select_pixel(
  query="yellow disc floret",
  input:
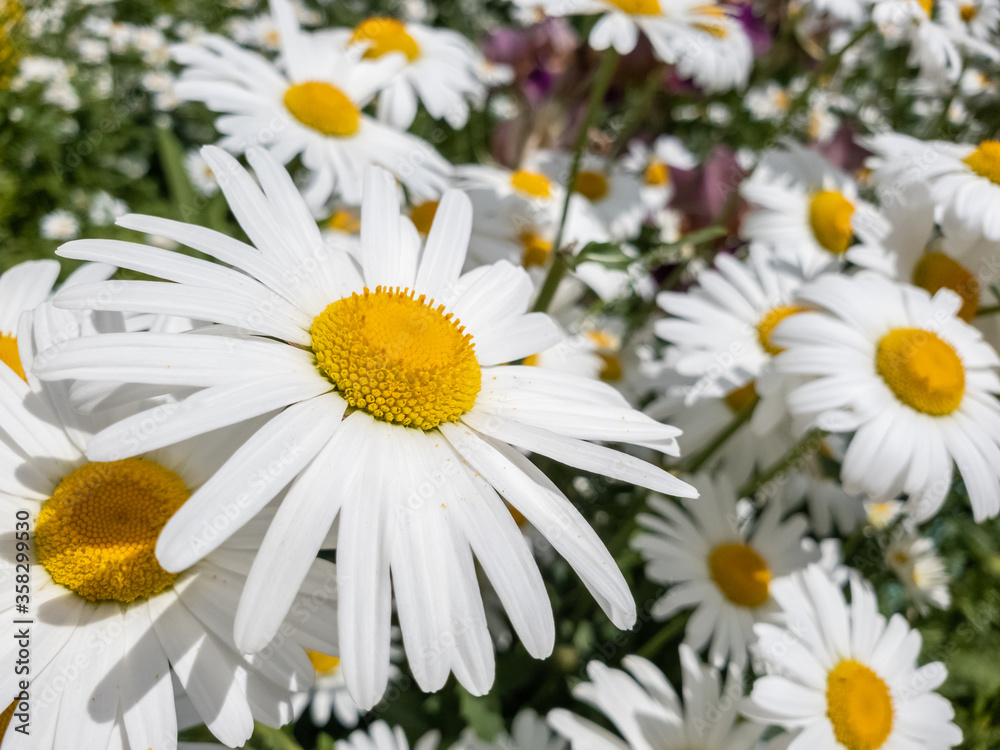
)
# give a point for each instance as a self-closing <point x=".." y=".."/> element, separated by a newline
<point x="385" y="35"/>
<point x="924" y="371"/>
<point x="323" y="107"/>
<point x="740" y="573"/>
<point x="400" y="358"/>
<point x="531" y="184"/>
<point x="770" y="321"/>
<point x="535" y="250"/>
<point x="423" y="215"/>
<point x="638" y="7"/>
<point x="657" y="173"/>
<point x="938" y="271"/>
<point x="97" y="534"/>
<point x="859" y="705"/>
<point x="985" y="161"/>
<point x="739" y="399"/>
<point x="968" y="11"/>
<point x="591" y="185"/>
<point x="830" y="215"/>
<point x="323" y="663"/>
<point x="10" y="356"/>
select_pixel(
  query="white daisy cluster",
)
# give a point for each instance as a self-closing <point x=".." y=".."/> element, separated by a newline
<point x="590" y="374"/>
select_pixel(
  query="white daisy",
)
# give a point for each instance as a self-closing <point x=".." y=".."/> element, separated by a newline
<point x="714" y="564"/>
<point x="977" y="18"/>
<point x="702" y="38"/>
<point x="721" y="332"/>
<point x="915" y="383"/>
<point x="102" y="608"/>
<point x="612" y="191"/>
<point x="199" y="173"/>
<point x="915" y="562"/>
<point x="935" y="48"/>
<point x="654" y="166"/>
<point x="528" y="731"/>
<point x="845" y="677"/>
<point x="441" y="69"/>
<point x="810" y="213"/>
<point x="309" y="104"/>
<point x="59" y="225"/>
<point x="830" y="508"/>
<point x="647" y="712"/>
<point x="380" y="736"/>
<point x="405" y="424"/>
<point x="22" y="288"/>
<point x="964" y="180"/>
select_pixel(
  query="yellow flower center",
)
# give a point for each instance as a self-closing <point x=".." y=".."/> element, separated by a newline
<point x="830" y="215"/>
<point x="385" y="35"/>
<point x="591" y="185"/>
<point x="97" y="534"/>
<point x="985" y="161"/>
<point x="637" y="7"/>
<point x="859" y="706"/>
<point x="657" y="173"/>
<point x="9" y="355"/>
<point x="402" y="359"/>
<point x="422" y="216"/>
<point x="323" y="663"/>
<point x="937" y="271"/>
<point x="5" y="717"/>
<point x="536" y="249"/>
<point x="739" y="399"/>
<point x="532" y="184"/>
<point x="769" y="322"/>
<point x="924" y="371"/>
<point x="740" y="573"/>
<point x="345" y="221"/>
<point x="968" y="11"/>
<point x="713" y="23"/>
<point x="927" y="5"/>
<point x="323" y="107"/>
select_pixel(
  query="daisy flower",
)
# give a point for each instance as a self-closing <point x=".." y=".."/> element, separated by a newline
<point x="648" y="713"/>
<point x="914" y="382"/>
<point x="915" y="562"/>
<point x="611" y="191"/>
<point x="528" y="731"/>
<point x="22" y="288"/>
<point x="441" y="69"/>
<point x="721" y="331"/>
<point x="844" y="676"/>
<point x="380" y="736"/>
<point x="107" y="611"/>
<point x="389" y="382"/>
<point x="979" y="19"/>
<point x="811" y="215"/>
<point x="703" y="39"/>
<point x="654" y="166"/>
<point x="935" y="47"/>
<point x="309" y="104"/>
<point x="963" y="179"/>
<point x="59" y="225"/>
<point x="714" y="564"/>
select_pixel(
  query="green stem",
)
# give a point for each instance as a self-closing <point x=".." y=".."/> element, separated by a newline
<point x="662" y="637"/>
<point x="602" y="79"/>
<point x="699" y="458"/>
<point x="636" y="114"/>
<point x="808" y="445"/>
<point x="987" y="310"/>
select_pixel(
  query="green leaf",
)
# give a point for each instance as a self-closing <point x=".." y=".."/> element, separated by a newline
<point x="269" y="738"/>
<point x="608" y="254"/>
<point x="324" y="742"/>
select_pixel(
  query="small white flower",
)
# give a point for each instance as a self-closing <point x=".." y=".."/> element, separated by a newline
<point x="59" y="225"/>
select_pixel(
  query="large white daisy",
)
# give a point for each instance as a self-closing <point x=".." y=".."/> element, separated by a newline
<point x="397" y="417"/>
<point x="811" y="215"/>
<point x="716" y="564"/>
<point x="309" y="103"/>
<point x="442" y="69"/>
<point x="963" y="179"/>
<point x="915" y="383"/>
<point x="843" y="676"/>
<point x="109" y="627"/>
<point x="648" y="713"/>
